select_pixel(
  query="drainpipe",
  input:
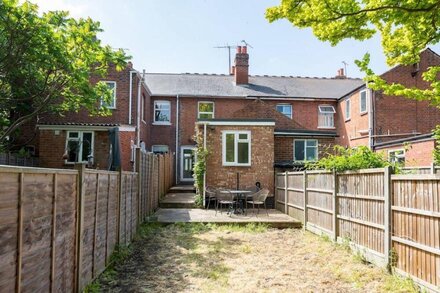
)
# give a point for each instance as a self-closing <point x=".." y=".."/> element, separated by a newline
<point x="370" y="119"/>
<point x="177" y="136"/>
<point x="204" y="173"/>
<point x="130" y="95"/>
<point x="138" y="112"/>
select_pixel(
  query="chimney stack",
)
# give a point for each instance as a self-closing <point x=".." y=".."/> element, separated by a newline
<point x="241" y="62"/>
<point x="340" y="74"/>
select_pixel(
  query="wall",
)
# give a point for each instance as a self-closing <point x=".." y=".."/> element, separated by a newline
<point x="401" y="115"/>
<point x="262" y="159"/>
<point x="417" y="153"/>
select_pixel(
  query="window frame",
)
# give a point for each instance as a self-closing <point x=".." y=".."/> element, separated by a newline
<point x="360" y="102"/>
<point x="205" y="102"/>
<point x="347" y="103"/>
<point x="291" y="110"/>
<point x="159" y="145"/>
<point x="325" y="114"/>
<point x="236" y="141"/>
<point x="80" y="137"/>
<point x="304" y="140"/>
<point x="400" y="156"/>
<point x="114" y="94"/>
<point x="154" y="112"/>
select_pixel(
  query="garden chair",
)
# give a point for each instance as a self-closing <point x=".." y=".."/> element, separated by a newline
<point x="210" y="195"/>
<point x="224" y="197"/>
<point x="259" y="198"/>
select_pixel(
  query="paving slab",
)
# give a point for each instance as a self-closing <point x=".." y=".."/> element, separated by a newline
<point x="178" y="200"/>
<point x="275" y="218"/>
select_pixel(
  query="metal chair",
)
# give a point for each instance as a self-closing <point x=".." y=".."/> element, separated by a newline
<point x="224" y="196"/>
<point x="210" y="195"/>
<point x="259" y="198"/>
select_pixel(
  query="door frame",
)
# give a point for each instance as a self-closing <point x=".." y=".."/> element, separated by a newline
<point x="182" y="148"/>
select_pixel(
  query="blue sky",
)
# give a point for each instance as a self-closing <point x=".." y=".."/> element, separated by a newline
<point x="180" y="36"/>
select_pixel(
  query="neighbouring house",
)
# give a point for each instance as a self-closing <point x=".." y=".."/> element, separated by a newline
<point x="105" y="142"/>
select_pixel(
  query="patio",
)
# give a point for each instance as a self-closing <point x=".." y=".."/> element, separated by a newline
<point x="275" y="219"/>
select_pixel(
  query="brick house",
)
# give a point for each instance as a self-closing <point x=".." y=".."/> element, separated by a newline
<point x="394" y="125"/>
<point x="107" y="142"/>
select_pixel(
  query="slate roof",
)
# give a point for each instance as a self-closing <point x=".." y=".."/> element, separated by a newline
<point x="212" y="85"/>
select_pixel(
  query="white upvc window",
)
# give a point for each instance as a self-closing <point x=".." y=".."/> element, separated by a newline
<point x="396" y="156"/>
<point x="112" y="86"/>
<point x="205" y="110"/>
<point x="326" y="116"/>
<point x="285" y="109"/>
<point x="363" y="102"/>
<point x="79" y="146"/>
<point x="236" y="148"/>
<point x="305" y="150"/>
<point x="347" y="109"/>
<point x="162" y="112"/>
<point x="160" y="149"/>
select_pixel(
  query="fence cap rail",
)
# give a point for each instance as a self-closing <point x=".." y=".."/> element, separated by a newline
<point x="322" y="171"/>
<point x="129" y="173"/>
<point x="415" y="177"/>
<point x="20" y="169"/>
<point x="105" y="172"/>
<point x="370" y="171"/>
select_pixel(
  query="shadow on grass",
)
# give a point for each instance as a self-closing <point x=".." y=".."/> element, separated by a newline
<point x="165" y="258"/>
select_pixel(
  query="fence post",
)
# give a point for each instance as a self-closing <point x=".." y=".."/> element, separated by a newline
<point x="432" y="168"/>
<point x="139" y="187"/>
<point x="305" y="199"/>
<point x="286" y="208"/>
<point x="335" y="206"/>
<point x="118" y="223"/>
<point x="81" y="191"/>
<point x="387" y="213"/>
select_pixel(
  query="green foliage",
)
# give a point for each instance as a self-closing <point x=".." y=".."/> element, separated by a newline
<point x="350" y="159"/>
<point x="405" y="27"/>
<point x="200" y="165"/>
<point x="46" y="62"/>
<point x="437" y="145"/>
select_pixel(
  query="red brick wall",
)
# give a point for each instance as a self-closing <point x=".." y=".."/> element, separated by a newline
<point x="125" y="139"/>
<point x="262" y="159"/>
<point x="284" y="147"/>
<point x="416" y="153"/>
<point x="401" y="115"/>
<point x="354" y="131"/>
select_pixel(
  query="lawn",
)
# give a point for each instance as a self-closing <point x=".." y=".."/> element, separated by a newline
<point x="253" y="258"/>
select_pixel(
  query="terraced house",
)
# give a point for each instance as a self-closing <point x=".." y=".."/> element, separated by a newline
<point x="250" y="124"/>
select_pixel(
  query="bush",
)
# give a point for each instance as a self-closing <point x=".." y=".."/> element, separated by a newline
<point x="350" y="159"/>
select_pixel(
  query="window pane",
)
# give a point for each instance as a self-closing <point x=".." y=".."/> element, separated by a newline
<point x="285" y="109"/>
<point x="243" y="152"/>
<point x="159" y="149"/>
<point x="326" y="109"/>
<point x="206" y="107"/>
<point x="230" y="147"/>
<point x="73" y="134"/>
<point x="312" y="153"/>
<point x="347" y="109"/>
<point x="242" y="136"/>
<point x="205" y="116"/>
<point x="299" y="150"/>
<point x="112" y="103"/>
<point x="311" y="143"/>
<point x="363" y="101"/>
<point x="72" y="150"/>
<point x="86" y="146"/>
<point x="162" y="115"/>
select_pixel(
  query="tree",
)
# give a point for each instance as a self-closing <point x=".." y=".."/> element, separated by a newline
<point x="405" y="27"/>
<point x="46" y="62"/>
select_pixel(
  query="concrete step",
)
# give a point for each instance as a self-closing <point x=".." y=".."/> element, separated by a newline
<point x="179" y="200"/>
<point x="182" y="189"/>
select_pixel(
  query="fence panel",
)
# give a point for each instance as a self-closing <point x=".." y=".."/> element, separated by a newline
<point x="416" y="227"/>
<point x="280" y="193"/>
<point x="295" y="195"/>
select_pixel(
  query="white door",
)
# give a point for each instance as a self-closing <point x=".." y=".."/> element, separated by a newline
<point x="186" y="163"/>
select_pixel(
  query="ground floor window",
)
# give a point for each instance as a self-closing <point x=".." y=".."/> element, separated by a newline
<point x="79" y="146"/>
<point x="305" y="150"/>
<point x="396" y="156"/>
<point x="160" y="149"/>
<point x="236" y="148"/>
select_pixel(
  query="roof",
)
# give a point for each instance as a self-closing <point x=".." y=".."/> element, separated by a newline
<point x="305" y="132"/>
<point x="415" y="138"/>
<point x="213" y="85"/>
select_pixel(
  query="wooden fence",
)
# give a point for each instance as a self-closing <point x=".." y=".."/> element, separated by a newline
<point x="390" y="219"/>
<point x="16" y="160"/>
<point x="58" y="228"/>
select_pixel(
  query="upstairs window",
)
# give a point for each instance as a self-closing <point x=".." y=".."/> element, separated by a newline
<point x="285" y="109"/>
<point x="347" y="109"/>
<point x="326" y="117"/>
<point x="79" y="146"/>
<point x="112" y="104"/>
<point x="363" y="101"/>
<point x="162" y="112"/>
<point x="206" y="110"/>
<point x="396" y="156"/>
<point x="160" y="149"/>
<point x="236" y="148"/>
<point x="306" y="150"/>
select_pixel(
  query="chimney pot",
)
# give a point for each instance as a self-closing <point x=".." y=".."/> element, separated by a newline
<point x="238" y="49"/>
<point x="241" y="68"/>
<point x="244" y="50"/>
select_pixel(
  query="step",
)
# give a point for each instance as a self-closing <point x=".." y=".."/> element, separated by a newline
<point x="182" y="189"/>
<point x="178" y="200"/>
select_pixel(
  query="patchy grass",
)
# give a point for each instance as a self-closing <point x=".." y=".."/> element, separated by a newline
<point x="251" y="258"/>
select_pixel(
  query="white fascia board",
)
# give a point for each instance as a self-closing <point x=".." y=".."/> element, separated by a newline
<point x="75" y="127"/>
<point x="237" y="123"/>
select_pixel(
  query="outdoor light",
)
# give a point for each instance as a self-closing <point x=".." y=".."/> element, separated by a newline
<point x="90" y="161"/>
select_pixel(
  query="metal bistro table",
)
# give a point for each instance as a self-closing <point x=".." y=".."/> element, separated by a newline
<point x="240" y="195"/>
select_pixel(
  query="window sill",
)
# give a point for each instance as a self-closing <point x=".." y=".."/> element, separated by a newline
<point x="236" y="165"/>
<point x="364" y="113"/>
<point x="347" y="120"/>
<point x="326" y="127"/>
<point x="162" y="123"/>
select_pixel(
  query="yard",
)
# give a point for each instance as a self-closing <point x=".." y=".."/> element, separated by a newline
<point x="253" y="258"/>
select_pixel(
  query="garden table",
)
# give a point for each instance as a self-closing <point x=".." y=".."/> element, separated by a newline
<point x="240" y="195"/>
